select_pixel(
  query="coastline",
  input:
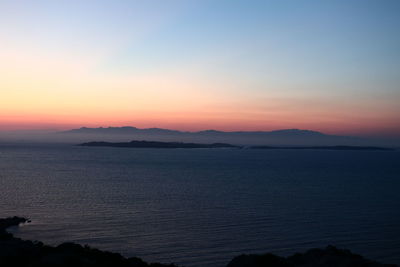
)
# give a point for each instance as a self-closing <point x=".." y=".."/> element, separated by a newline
<point x="17" y="252"/>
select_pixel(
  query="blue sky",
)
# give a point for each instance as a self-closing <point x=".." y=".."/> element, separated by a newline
<point x="343" y="57"/>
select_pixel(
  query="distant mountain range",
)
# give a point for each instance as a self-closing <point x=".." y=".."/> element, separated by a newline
<point x="285" y="137"/>
<point x="277" y="138"/>
<point x="134" y="130"/>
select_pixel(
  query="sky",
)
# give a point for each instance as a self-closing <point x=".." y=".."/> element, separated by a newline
<point x="330" y="66"/>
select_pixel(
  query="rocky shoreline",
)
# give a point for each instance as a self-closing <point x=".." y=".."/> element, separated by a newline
<point x="17" y="252"/>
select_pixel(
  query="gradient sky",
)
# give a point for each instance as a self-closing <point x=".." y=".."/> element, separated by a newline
<point x="331" y="66"/>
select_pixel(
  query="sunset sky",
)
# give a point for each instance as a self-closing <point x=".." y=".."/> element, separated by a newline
<point x="330" y="66"/>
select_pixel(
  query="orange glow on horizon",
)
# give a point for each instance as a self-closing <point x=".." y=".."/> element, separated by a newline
<point x="162" y="66"/>
<point x="201" y="121"/>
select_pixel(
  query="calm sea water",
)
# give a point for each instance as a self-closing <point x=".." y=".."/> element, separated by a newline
<point x="202" y="207"/>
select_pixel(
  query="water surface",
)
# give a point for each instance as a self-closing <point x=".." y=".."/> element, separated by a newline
<point x="202" y="207"/>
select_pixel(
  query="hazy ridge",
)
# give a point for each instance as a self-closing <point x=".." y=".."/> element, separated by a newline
<point x="283" y="137"/>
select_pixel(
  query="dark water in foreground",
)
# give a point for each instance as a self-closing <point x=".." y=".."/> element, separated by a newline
<point x="202" y="207"/>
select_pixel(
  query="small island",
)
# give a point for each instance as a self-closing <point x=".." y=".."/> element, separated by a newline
<point x="18" y="252"/>
<point x="156" y="144"/>
<point x="324" y="147"/>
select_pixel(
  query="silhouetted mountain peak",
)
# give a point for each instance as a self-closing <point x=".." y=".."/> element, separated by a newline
<point x="297" y="132"/>
<point x="210" y="132"/>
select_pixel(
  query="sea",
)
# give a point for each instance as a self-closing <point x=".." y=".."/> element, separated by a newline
<point x="202" y="207"/>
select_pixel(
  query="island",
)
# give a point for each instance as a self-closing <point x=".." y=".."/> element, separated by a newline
<point x="156" y="144"/>
<point x="17" y="252"/>
<point x="159" y="144"/>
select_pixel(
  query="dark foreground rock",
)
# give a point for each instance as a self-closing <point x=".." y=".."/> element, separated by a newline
<point x="328" y="257"/>
<point x="18" y="252"/>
